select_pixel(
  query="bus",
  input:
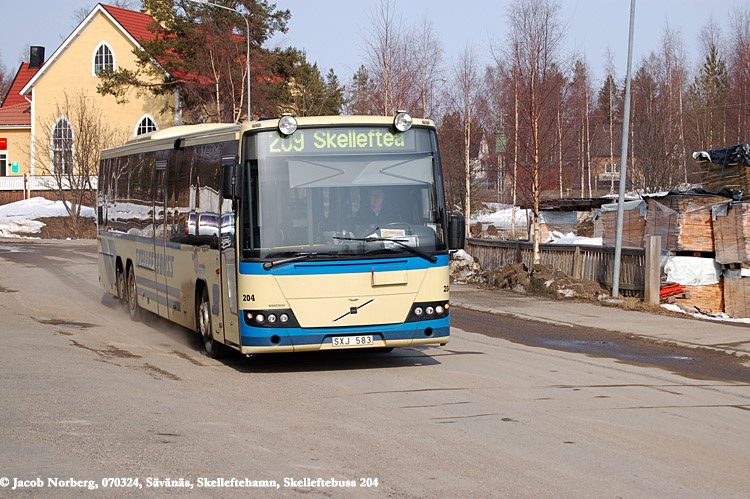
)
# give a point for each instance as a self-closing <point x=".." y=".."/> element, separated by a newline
<point x="266" y="236"/>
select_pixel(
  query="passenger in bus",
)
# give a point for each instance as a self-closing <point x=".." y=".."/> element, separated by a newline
<point x="376" y="212"/>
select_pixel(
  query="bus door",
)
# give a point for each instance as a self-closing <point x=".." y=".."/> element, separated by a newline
<point x="161" y="266"/>
<point x="227" y="245"/>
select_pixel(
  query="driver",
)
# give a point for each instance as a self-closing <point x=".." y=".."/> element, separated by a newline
<point x="375" y="213"/>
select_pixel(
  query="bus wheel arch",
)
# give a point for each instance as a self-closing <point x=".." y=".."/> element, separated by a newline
<point x="203" y="322"/>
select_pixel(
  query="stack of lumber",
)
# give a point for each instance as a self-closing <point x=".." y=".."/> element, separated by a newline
<point x="706" y="298"/>
<point x="683" y="221"/>
<point x="732" y="233"/>
<point x="737" y="297"/>
<point x="633" y="224"/>
<point x="735" y="176"/>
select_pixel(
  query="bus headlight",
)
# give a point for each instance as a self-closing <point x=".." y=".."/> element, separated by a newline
<point x="426" y="311"/>
<point x="402" y="121"/>
<point x="270" y="318"/>
<point x="287" y="125"/>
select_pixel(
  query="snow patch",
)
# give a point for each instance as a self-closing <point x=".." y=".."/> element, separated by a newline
<point x="19" y="219"/>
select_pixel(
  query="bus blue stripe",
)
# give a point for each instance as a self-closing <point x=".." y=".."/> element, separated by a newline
<point x="258" y="336"/>
<point x="343" y="266"/>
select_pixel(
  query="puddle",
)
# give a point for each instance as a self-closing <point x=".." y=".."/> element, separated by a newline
<point x="66" y="323"/>
<point x="613" y="349"/>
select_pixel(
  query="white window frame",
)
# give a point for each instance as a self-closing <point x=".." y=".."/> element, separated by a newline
<point x="53" y="149"/>
<point x="4" y="156"/>
<point x="103" y="43"/>
<point x="140" y="120"/>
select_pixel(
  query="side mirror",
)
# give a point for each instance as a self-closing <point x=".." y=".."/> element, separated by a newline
<point x="456" y="232"/>
<point x="231" y="187"/>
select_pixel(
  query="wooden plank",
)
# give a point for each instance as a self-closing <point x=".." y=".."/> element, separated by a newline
<point x="737" y="297"/>
<point x="653" y="270"/>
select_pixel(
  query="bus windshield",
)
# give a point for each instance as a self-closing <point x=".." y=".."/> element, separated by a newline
<point x="329" y="192"/>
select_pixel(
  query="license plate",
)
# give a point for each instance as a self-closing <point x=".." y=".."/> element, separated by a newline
<point x="351" y="341"/>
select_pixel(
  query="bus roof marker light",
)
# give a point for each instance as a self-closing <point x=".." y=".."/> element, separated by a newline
<point x="402" y="121"/>
<point x="287" y="124"/>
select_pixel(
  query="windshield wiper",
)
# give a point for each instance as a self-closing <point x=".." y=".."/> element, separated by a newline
<point x="410" y="249"/>
<point x="296" y="258"/>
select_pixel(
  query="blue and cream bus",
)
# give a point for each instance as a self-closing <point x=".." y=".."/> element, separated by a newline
<point x="254" y="235"/>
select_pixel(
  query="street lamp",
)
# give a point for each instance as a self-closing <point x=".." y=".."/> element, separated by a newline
<point x="247" y="38"/>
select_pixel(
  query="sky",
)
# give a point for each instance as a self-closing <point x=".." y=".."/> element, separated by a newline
<point x="333" y="32"/>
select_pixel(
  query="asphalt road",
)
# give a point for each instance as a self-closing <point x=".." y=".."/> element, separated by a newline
<point x="86" y="394"/>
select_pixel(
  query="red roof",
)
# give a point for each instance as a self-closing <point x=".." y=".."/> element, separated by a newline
<point x="20" y="114"/>
<point x="24" y="74"/>
<point x="134" y="22"/>
<point x="15" y="109"/>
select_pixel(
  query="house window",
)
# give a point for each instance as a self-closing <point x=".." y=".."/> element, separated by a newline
<point x="3" y="164"/>
<point x="145" y="125"/>
<point x="103" y="58"/>
<point x="61" y="145"/>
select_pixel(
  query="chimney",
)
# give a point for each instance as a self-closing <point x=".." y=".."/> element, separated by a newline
<point x="36" y="57"/>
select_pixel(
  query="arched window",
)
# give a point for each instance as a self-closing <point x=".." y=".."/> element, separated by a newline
<point x="61" y="146"/>
<point x="145" y="125"/>
<point x="104" y="58"/>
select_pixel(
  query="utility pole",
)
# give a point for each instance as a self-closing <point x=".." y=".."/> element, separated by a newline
<point x="623" y="160"/>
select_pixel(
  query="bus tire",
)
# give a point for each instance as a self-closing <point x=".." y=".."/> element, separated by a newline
<point x="214" y="349"/>
<point x="121" y="284"/>
<point x="132" y="297"/>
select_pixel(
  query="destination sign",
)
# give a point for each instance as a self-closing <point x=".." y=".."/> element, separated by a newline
<point x="339" y="141"/>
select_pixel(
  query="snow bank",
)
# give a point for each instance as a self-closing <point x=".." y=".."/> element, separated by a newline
<point x="570" y="238"/>
<point x="19" y="218"/>
<point x="502" y="218"/>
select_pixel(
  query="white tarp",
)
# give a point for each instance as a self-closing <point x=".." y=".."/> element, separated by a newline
<point x="691" y="271"/>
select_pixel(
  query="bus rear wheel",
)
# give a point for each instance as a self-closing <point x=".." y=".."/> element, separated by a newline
<point x="132" y="296"/>
<point x="121" y="284"/>
<point x="214" y="349"/>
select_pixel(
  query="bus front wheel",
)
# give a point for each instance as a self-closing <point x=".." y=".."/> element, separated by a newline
<point x="214" y="349"/>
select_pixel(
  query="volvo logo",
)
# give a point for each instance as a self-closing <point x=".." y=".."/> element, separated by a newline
<point x="353" y="310"/>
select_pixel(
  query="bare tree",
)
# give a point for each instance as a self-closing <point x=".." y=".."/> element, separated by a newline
<point x="395" y="53"/>
<point x="536" y="37"/>
<point x="77" y="132"/>
<point x="386" y="48"/>
<point x="81" y="13"/>
<point x="6" y="78"/>
<point x="429" y="56"/>
<point x="467" y="84"/>
<point x="739" y="73"/>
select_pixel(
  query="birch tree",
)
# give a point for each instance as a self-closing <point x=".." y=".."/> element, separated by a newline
<point x="467" y="86"/>
<point x="537" y="36"/>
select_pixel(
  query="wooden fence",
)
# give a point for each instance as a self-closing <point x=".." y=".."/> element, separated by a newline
<point x="582" y="262"/>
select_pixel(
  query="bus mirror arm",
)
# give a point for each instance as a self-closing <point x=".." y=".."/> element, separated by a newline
<point x="232" y="180"/>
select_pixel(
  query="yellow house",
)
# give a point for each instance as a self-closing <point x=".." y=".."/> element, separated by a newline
<point x="30" y="112"/>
